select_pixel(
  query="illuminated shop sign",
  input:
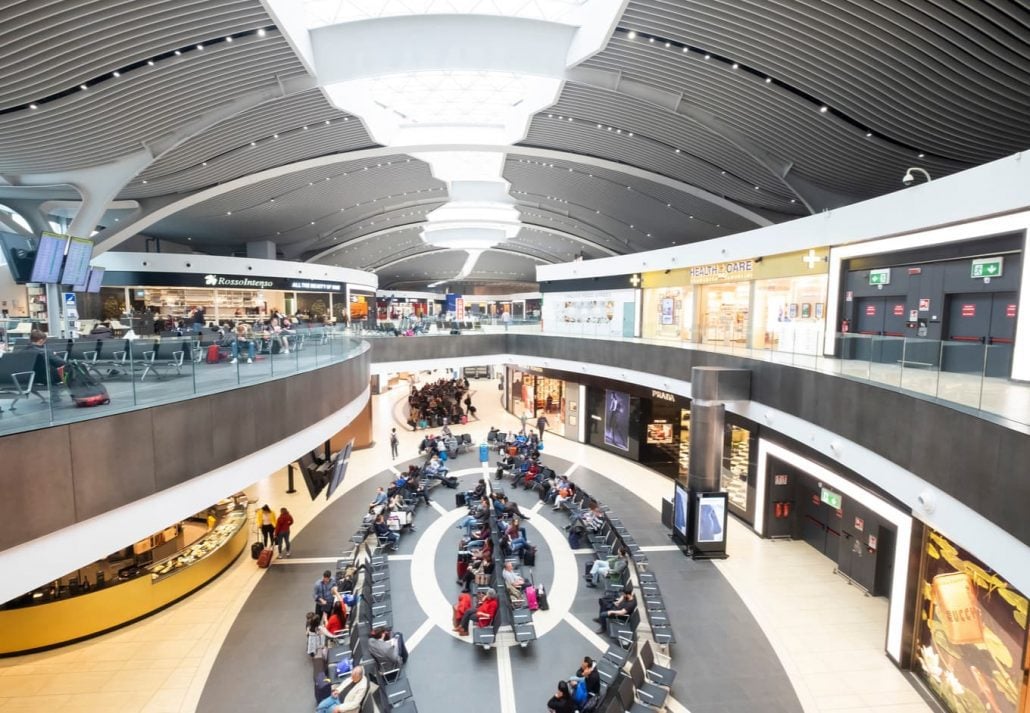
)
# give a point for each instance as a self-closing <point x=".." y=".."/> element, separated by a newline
<point x="118" y="278"/>
<point x="222" y="281"/>
<point x="723" y="272"/>
<point x="663" y="395"/>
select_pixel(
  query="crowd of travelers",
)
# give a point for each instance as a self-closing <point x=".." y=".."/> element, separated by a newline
<point x="440" y="403"/>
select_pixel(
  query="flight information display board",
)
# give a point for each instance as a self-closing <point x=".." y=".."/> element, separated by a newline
<point x="76" y="265"/>
<point x="49" y="258"/>
<point x="96" y="279"/>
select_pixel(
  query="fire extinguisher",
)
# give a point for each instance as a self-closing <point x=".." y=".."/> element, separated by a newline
<point x="845" y="326"/>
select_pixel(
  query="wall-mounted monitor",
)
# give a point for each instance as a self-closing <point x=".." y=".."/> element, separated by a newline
<point x="339" y="470"/>
<point x="49" y="258"/>
<point x="20" y="253"/>
<point x="76" y="262"/>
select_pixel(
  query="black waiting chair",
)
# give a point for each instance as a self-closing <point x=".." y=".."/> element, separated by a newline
<point x="647" y="693"/>
<point x="653" y="672"/>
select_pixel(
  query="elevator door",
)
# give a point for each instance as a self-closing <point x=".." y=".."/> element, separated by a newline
<point x="1002" y="334"/>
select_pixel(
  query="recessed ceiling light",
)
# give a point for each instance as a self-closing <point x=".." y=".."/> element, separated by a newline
<point x="305" y="127"/>
<point x="632" y="34"/>
<point x="327" y="122"/>
<point x="823" y="109"/>
<point x="200" y="47"/>
<point x="83" y="87"/>
<point x="685" y="49"/>
<point x="651" y="40"/>
<point x="768" y="80"/>
<point x="116" y="73"/>
<point x="253" y="143"/>
<point x="668" y="44"/>
<point x="228" y="212"/>
<point x="757" y="188"/>
<point x="312" y="222"/>
<point x="204" y="163"/>
<point x="922" y="155"/>
<point x="708" y="56"/>
<point x="677" y="151"/>
<point x="261" y="32"/>
<point x="736" y="66"/>
<point x="629" y="134"/>
<point x="228" y="38"/>
<point x="868" y="134"/>
<point x="275" y="136"/>
<point x="178" y="53"/>
<point x="150" y="62"/>
<point x="144" y="180"/>
<point x="33" y="106"/>
<point x="793" y="200"/>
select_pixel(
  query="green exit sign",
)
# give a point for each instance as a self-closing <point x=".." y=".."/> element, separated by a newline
<point x="830" y="498"/>
<point x="880" y="277"/>
<point x="986" y="267"/>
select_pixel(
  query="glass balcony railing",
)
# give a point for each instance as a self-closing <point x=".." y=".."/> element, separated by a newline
<point x="971" y="375"/>
<point x="74" y="380"/>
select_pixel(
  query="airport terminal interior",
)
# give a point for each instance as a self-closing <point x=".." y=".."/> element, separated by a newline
<point x="514" y="355"/>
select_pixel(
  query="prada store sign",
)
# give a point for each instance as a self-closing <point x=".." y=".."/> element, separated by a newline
<point x="231" y="282"/>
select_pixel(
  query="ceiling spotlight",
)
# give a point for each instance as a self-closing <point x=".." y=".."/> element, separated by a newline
<point x="305" y="127"/>
<point x="632" y="34"/>
<point x="83" y="87"/>
<point x="629" y="134"/>
<point x="178" y="53"/>
<point x="327" y="122"/>
<point x="144" y="180"/>
<point x="228" y="212"/>
<point x="823" y="109"/>
<point x="651" y="40"/>
<point x="736" y="66"/>
<point x="253" y="143"/>
<point x="768" y="80"/>
<point x="668" y="44"/>
<point x="116" y="73"/>
<point x="922" y="155"/>
<point x="275" y="136"/>
<point x="909" y="178"/>
<point x="708" y="56"/>
<point x="793" y="200"/>
<point x="200" y="47"/>
<point x="685" y="50"/>
<point x="869" y="134"/>
<point x="677" y="151"/>
<point x="228" y="38"/>
<point x="33" y="106"/>
<point x="261" y="32"/>
<point x="598" y="126"/>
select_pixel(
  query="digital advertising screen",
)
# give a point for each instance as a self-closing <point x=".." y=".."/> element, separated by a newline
<point x="20" y="255"/>
<point x="76" y="263"/>
<point x="616" y="419"/>
<point x="49" y="258"/>
<point x="659" y="433"/>
<point x="679" y="512"/>
<point x="339" y="470"/>
<point x="711" y="517"/>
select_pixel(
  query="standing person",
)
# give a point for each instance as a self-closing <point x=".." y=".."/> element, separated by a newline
<point x="265" y="519"/>
<point x="541" y="425"/>
<point x="523" y="418"/>
<point x="282" y="531"/>
<point x="394" y="442"/>
<point x="506" y="319"/>
<point x="468" y="404"/>
<point x="199" y="319"/>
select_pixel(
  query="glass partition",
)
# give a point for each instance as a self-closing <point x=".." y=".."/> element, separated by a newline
<point x="62" y="380"/>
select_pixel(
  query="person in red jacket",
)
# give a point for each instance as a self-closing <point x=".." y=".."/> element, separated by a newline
<point x="282" y="531"/>
<point x="484" y="613"/>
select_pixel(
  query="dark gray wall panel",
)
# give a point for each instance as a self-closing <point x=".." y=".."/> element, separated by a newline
<point x="37" y="479"/>
<point x="54" y="477"/>
<point x="113" y="461"/>
<point x="185" y="430"/>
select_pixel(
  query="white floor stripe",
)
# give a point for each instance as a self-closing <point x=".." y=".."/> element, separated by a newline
<point x="394" y="470"/>
<point x="306" y="560"/>
<point x="583" y="551"/>
<point x="505" y="680"/>
<point x="661" y="548"/>
<point x="571" y="468"/>
<point x="420" y="633"/>
<point x="438" y="507"/>
<point x="562" y="590"/>
<point x="586" y="632"/>
<point x="536" y="508"/>
<point x="399" y="558"/>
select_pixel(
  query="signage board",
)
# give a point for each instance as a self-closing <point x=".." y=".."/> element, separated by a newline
<point x="663" y="395"/>
<point x="76" y="263"/>
<point x="1010" y="310"/>
<point x="969" y="310"/>
<point x="49" y="258"/>
<point x="830" y="498"/>
<point x="870" y="310"/>
<point x="738" y="270"/>
<point x="119" y="278"/>
<point x="899" y="310"/>
<point x="986" y="267"/>
<point x="780" y="479"/>
<point x="924" y="304"/>
<point x="71" y="309"/>
<point x="859" y="524"/>
<point x="880" y="277"/>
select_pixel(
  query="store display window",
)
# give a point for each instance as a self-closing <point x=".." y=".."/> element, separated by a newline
<point x="736" y="465"/>
<point x="971" y="633"/>
<point x="725" y="313"/>
<point x="788" y="313"/>
<point x="669" y="313"/>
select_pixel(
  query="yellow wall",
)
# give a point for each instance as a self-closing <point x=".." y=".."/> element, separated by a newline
<point x="785" y="265"/>
<point x="87" y="614"/>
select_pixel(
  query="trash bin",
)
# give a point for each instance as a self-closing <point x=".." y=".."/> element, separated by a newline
<point x="484" y="453"/>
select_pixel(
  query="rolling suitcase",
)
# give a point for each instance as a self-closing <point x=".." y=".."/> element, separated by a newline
<point x="265" y="558"/>
<point x="541" y="598"/>
<point x="213" y="357"/>
<point x="531" y="600"/>
<point x="255" y="550"/>
<point x="459" y="500"/>
<point x="83" y="387"/>
<point x="529" y="556"/>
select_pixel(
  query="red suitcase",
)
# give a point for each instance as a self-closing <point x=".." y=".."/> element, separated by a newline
<point x="213" y="356"/>
<point x="265" y="558"/>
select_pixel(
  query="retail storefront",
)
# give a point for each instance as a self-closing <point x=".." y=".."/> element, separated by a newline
<point x="160" y="288"/>
<point x="970" y="643"/>
<point x="136" y="581"/>
<point x="776" y="302"/>
<point x="537" y="393"/>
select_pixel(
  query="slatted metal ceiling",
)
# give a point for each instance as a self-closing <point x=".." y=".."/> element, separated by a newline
<point x="947" y="78"/>
<point x="226" y="149"/>
<point x="432" y="265"/>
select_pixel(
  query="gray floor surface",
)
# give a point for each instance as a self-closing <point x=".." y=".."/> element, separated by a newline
<point x="724" y="662"/>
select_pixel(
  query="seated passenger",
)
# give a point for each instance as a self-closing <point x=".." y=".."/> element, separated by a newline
<point x="483" y="614"/>
<point x="378" y="503"/>
<point x="512" y="580"/>
<point x="588" y="672"/>
<point x="346" y="697"/>
<point x="387" y="650"/>
<point x="624" y="605"/>
<point x="603" y="567"/>
<point x="561" y="701"/>
<point x="383" y="531"/>
<point x="516" y="536"/>
<point x="242" y="337"/>
<point x="337" y="620"/>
